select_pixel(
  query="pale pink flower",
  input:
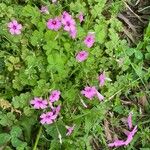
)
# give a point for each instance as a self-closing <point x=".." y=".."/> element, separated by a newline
<point x="56" y="110"/>
<point x="89" y="40"/>
<point x="130" y="135"/>
<point x="100" y="96"/>
<point x="65" y="16"/>
<point x="89" y="92"/>
<point x="81" y="56"/>
<point x="73" y="33"/>
<point x="39" y="103"/>
<point x="44" y="9"/>
<point x="69" y="25"/>
<point x="54" y="24"/>
<point x="80" y="16"/>
<point x="102" y="79"/>
<point x="129" y="120"/>
<point x="55" y="95"/>
<point x="117" y="143"/>
<point x="14" y="27"/>
<point x="50" y="117"/>
<point x="69" y="130"/>
<point x="47" y="118"/>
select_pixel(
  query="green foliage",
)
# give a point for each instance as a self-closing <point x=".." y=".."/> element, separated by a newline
<point x="40" y="60"/>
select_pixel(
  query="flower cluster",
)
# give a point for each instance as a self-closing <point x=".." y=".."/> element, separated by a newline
<point x="129" y="134"/>
<point x="69" y="24"/>
<point x="50" y="116"/>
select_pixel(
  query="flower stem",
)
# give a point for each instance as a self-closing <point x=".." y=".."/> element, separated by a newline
<point x="37" y="138"/>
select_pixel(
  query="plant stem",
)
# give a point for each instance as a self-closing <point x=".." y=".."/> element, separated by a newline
<point x="37" y="138"/>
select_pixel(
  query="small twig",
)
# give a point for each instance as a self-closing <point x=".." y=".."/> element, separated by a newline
<point x="127" y="33"/>
<point x="137" y="2"/>
<point x="143" y="9"/>
<point x="115" y="94"/>
<point x="132" y="11"/>
<point x="126" y="20"/>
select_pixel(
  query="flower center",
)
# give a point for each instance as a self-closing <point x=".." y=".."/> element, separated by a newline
<point x="81" y="54"/>
<point x="89" y="39"/>
<point x="14" y="27"/>
<point x="68" y="23"/>
<point x="53" y="95"/>
<point x="54" y="22"/>
<point x="40" y="102"/>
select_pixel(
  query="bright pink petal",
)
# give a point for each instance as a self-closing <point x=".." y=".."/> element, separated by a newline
<point x="117" y="143"/>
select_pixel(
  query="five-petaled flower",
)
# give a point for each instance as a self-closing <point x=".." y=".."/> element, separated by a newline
<point x="90" y="92"/>
<point x="55" y="95"/>
<point x="54" y="24"/>
<point x="89" y="40"/>
<point x="39" y="103"/>
<point x="50" y="117"/>
<point x="81" y="56"/>
<point x="14" y="27"/>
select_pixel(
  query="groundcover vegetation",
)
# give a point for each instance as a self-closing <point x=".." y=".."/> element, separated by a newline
<point x="74" y="75"/>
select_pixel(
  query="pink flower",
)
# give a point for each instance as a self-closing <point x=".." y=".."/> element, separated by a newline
<point x="81" y="56"/>
<point x="39" y="103"/>
<point x="69" y="25"/>
<point x="117" y="143"/>
<point x="54" y="24"/>
<point x="129" y="120"/>
<point x="102" y="79"/>
<point x="55" y="95"/>
<point x="89" y="92"/>
<point x="80" y="16"/>
<point x="50" y="117"/>
<point x="56" y="110"/>
<point x="14" y="27"/>
<point x="73" y="33"/>
<point x="130" y="135"/>
<point x="65" y="16"/>
<point x="47" y="118"/>
<point x="44" y="9"/>
<point x="89" y="40"/>
<point x="69" y="130"/>
<point x="100" y="97"/>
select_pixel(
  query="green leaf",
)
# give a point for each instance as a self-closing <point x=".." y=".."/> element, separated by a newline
<point x="7" y="119"/>
<point x="22" y="100"/>
<point x="138" y="54"/>
<point x="18" y="144"/>
<point x="4" y="138"/>
<point x="15" y="131"/>
<point x="101" y="32"/>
